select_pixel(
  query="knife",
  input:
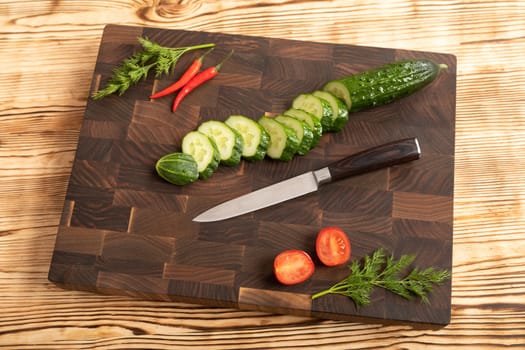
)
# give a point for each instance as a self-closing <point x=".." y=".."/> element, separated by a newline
<point x="375" y="158"/>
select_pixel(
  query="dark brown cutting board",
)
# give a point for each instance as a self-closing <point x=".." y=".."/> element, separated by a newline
<point x="126" y="231"/>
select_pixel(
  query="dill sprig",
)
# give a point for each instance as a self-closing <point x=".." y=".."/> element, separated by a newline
<point x="137" y="67"/>
<point x="379" y="270"/>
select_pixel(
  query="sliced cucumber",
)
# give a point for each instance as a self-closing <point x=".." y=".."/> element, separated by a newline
<point x="340" y="112"/>
<point x="228" y="141"/>
<point x="302" y="131"/>
<point x="283" y="141"/>
<point x="317" y="106"/>
<point x="255" y="138"/>
<point x="178" y="168"/>
<point x="203" y="150"/>
<point x="309" y="119"/>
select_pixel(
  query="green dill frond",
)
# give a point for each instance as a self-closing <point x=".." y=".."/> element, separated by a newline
<point x="381" y="271"/>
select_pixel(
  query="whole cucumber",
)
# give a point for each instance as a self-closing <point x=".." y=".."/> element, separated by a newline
<point x="384" y="84"/>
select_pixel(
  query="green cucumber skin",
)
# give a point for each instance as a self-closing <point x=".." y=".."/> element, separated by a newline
<point x="342" y="118"/>
<point x="316" y="126"/>
<point x="235" y="159"/>
<point x="235" y="156"/>
<point x="388" y="83"/>
<point x="260" y="153"/>
<point x="305" y="144"/>
<point x="214" y="163"/>
<point x="327" y="119"/>
<point x="264" y="141"/>
<point x="340" y="111"/>
<point x="291" y="145"/>
<point x="177" y="168"/>
<point x="326" y="114"/>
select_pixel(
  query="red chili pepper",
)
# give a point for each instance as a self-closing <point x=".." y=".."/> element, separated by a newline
<point x="192" y="70"/>
<point x="198" y="80"/>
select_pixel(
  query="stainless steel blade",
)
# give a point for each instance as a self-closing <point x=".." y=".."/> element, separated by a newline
<point x="279" y="192"/>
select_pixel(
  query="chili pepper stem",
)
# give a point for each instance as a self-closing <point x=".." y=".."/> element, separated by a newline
<point x="201" y="57"/>
<point x="219" y="65"/>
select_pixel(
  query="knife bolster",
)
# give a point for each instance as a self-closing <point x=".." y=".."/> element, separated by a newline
<point x="322" y="176"/>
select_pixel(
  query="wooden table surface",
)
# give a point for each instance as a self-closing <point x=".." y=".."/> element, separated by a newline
<point x="48" y="54"/>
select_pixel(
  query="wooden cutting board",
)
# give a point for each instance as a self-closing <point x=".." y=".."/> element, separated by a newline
<point x="126" y="231"/>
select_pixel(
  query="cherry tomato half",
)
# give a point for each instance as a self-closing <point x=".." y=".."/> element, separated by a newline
<point x="293" y="266"/>
<point x="332" y="246"/>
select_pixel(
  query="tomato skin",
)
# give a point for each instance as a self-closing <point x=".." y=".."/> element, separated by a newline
<point x="333" y="246"/>
<point x="293" y="266"/>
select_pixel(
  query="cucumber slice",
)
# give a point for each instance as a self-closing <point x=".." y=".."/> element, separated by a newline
<point x="228" y="141"/>
<point x="177" y="168"/>
<point x="255" y="138"/>
<point x="339" y="90"/>
<point x="340" y="117"/>
<point x="203" y="150"/>
<point x="283" y="141"/>
<point x="309" y="119"/>
<point x="317" y="106"/>
<point x="302" y="131"/>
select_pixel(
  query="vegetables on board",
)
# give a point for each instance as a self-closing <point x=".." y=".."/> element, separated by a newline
<point x="255" y="138"/>
<point x="293" y="266"/>
<point x="198" y="80"/>
<point x="332" y="246"/>
<point x="136" y="67"/>
<point x="203" y="150"/>
<point x="178" y="168"/>
<point x="283" y="140"/>
<point x="384" y="84"/>
<point x="283" y="136"/>
<point x="190" y="72"/>
<point x="380" y="270"/>
<point x="227" y="140"/>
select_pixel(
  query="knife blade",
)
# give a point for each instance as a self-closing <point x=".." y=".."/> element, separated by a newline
<point x="375" y="158"/>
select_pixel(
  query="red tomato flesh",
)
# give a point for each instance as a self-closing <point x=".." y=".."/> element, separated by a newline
<point x="332" y="246"/>
<point x="293" y="266"/>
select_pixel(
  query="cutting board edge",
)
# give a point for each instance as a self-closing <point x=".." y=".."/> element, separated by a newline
<point x="212" y="302"/>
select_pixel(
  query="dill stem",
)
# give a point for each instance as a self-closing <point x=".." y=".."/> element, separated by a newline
<point x="335" y="289"/>
<point x="195" y="47"/>
<point x="320" y="294"/>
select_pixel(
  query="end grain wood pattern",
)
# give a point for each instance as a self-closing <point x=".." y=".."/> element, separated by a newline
<point x="126" y="231"/>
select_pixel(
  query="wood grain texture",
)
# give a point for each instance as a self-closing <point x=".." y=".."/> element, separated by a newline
<point x="40" y="129"/>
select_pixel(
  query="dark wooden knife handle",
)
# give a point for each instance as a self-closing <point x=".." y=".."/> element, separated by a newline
<point x="382" y="156"/>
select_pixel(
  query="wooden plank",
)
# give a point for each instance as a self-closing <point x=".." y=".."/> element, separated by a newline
<point x="38" y="139"/>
